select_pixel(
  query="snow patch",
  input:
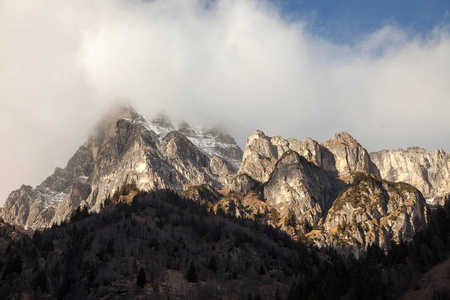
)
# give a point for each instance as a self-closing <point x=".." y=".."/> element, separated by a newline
<point x="207" y="142"/>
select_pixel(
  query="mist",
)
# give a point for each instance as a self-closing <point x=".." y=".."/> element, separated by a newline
<point x="235" y="63"/>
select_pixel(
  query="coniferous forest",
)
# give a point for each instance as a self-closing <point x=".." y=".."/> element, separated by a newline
<point x="161" y="245"/>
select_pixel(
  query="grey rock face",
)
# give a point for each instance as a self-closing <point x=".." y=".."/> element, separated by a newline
<point x="371" y="210"/>
<point x="429" y="171"/>
<point x="36" y="207"/>
<point x="339" y="157"/>
<point x="350" y="156"/>
<point x="126" y="149"/>
<point x="309" y="178"/>
<point x="300" y="186"/>
<point x="242" y="183"/>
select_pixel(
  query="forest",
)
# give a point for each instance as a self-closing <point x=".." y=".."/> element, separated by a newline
<point x="161" y="245"/>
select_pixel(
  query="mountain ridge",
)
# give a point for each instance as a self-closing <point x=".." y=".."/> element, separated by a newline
<point x="125" y="149"/>
<point x="300" y="180"/>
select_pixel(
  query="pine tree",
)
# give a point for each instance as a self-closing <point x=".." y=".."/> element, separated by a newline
<point x="275" y="216"/>
<point x="277" y="295"/>
<point x="141" y="280"/>
<point x="212" y="263"/>
<point x="192" y="273"/>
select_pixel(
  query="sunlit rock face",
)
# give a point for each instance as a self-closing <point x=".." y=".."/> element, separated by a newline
<point x="429" y="171"/>
<point x="300" y="186"/>
<point x="350" y="156"/>
<point x="127" y="148"/>
<point x="339" y="156"/>
<point x="375" y="211"/>
<point x="334" y="185"/>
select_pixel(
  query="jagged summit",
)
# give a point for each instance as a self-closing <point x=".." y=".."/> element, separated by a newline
<point x="429" y="171"/>
<point x="339" y="156"/>
<point x="342" y="137"/>
<point x="127" y="148"/>
<point x="312" y="182"/>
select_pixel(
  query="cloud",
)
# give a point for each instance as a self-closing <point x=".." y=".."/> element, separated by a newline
<point x="234" y="62"/>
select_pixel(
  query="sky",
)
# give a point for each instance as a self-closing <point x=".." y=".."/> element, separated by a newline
<point x="379" y="70"/>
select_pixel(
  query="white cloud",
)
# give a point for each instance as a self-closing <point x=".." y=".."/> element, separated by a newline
<point x="236" y="62"/>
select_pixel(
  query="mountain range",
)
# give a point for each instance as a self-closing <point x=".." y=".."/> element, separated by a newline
<point x="329" y="194"/>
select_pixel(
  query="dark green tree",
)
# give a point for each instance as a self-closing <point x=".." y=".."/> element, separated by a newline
<point x="141" y="279"/>
<point x="291" y="219"/>
<point x="277" y="295"/>
<point x="13" y="265"/>
<point x="40" y="281"/>
<point x="274" y="215"/>
<point x="212" y="263"/>
<point x="192" y="273"/>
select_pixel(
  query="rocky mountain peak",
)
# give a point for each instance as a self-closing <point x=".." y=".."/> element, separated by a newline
<point x="127" y="149"/>
<point x="371" y="210"/>
<point x="119" y="111"/>
<point x="299" y="186"/>
<point x="339" y="157"/>
<point x="342" y="137"/>
<point x="427" y="170"/>
<point x="162" y="120"/>
<point x="334" y="185"/>
<point x="257" y="134"/>
<point x="350" y="156"/>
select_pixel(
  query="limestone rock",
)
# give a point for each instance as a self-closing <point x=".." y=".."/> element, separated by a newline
<point x="300" y="186"/>
<point x="259" y="157"/>
<point x="242" y="183"/>
<point x="371" y="210"/>
<point x="350" y="155"/>
<point x="429" y="171"/>
<point x="127" y="149"/>
<point x="339" y="157"/>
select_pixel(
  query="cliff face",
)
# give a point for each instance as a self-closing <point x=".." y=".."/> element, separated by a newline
<point x="127" y="149"/>
<point x="429" y="171"/>
<point x="334" y="185"/>
<point x="374" y="211"/>
<point x="65" y="187"/>
<point x="339" y="156"/>
<point x="350" y="156"/>
<point x="301" y="187"/>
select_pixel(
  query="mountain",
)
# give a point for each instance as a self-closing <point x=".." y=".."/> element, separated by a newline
<point x="334" y="186"/>
<point x="160" y="245"/>
<point x="429" y="171"/>
<point x="299" y="186"/>
<point x="375" y="211"/>
<point x="184" y="252"/>
<point x="148" y="208"/>
<point x="127" y="149"/>
<point x="329" y="194"/>
<point x="339" y="156"/>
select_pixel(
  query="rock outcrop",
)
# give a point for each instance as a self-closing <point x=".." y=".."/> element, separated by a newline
<point x="308" y="181"/>
<point x="339" y="156"/>
<point x="301" y="187"/>
<point x="350" y="155"/>
<point x="329" y="193"/>
<point x="242" y="183"/>
<point x="375" y="211"/>
<point x="429" y="171"/>
<point x="127" y="149"/>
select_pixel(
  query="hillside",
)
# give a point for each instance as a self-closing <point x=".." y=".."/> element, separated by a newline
<point x="159" y="245"/>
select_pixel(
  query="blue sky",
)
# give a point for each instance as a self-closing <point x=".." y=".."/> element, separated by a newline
<point x="349" y="20"/>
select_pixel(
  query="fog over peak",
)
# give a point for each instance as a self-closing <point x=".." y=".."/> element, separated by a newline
<point x="237" y="63"/>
